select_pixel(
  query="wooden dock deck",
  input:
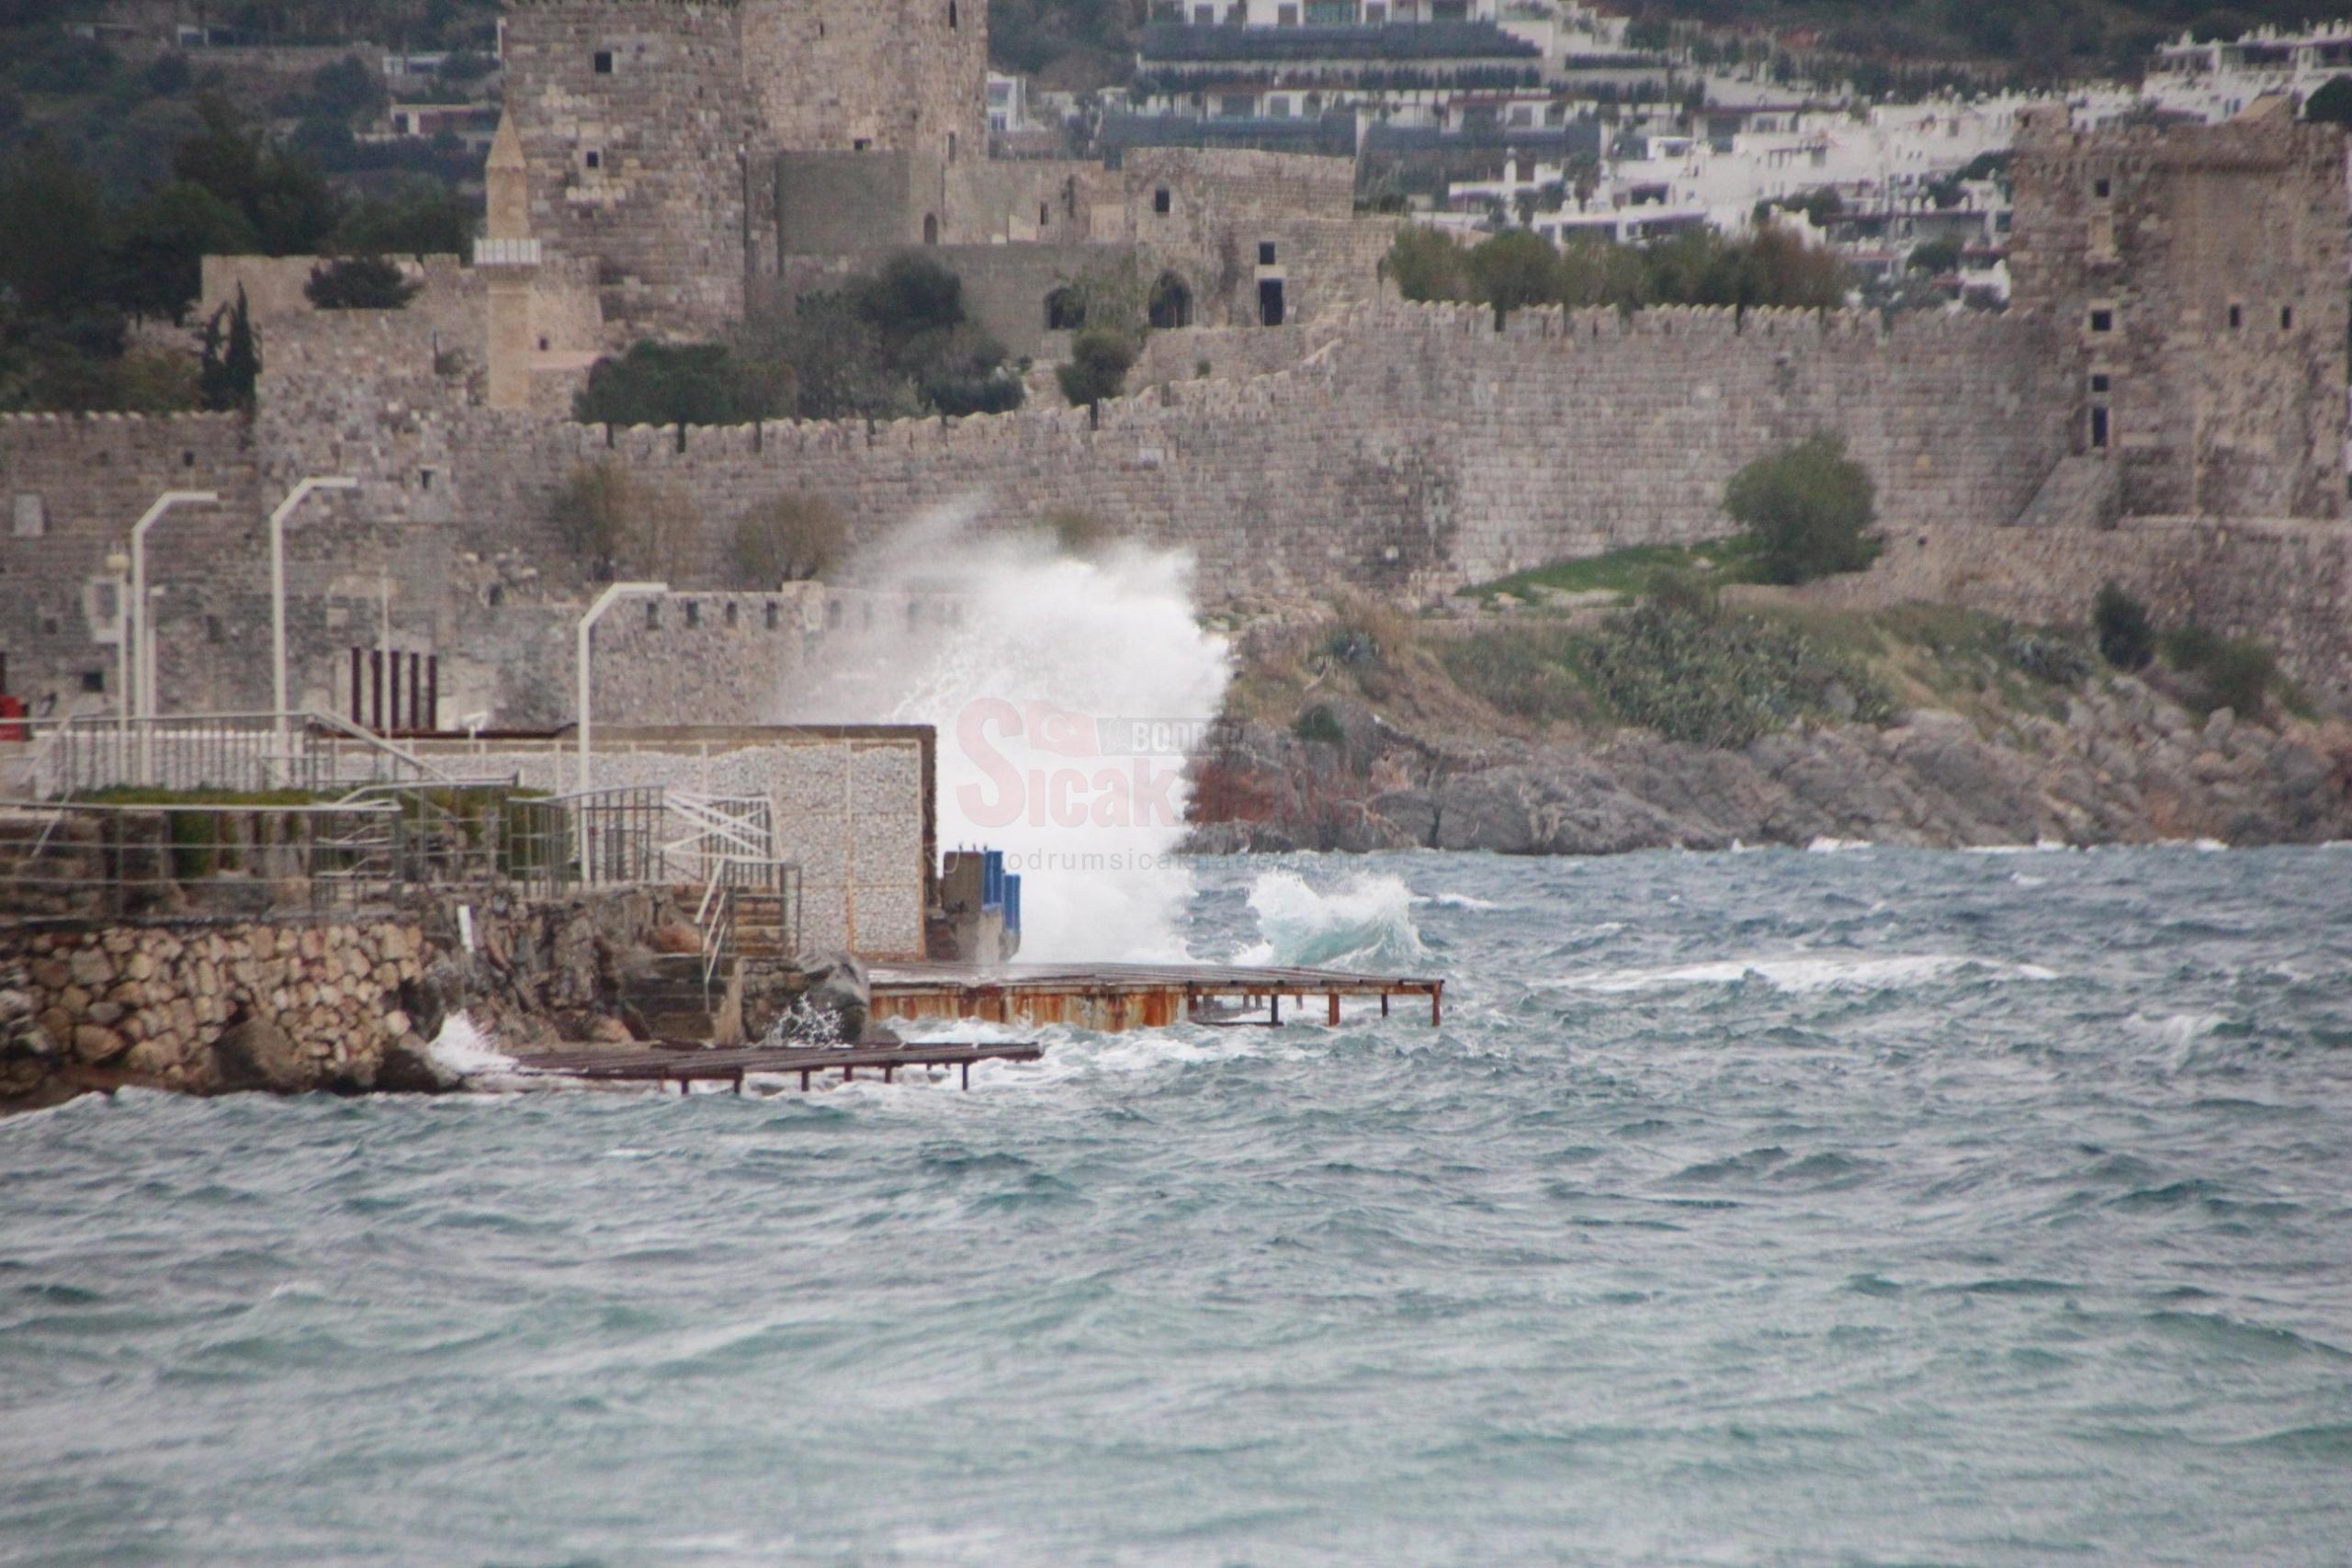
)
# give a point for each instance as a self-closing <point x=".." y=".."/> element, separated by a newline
<point x="1113" y="996"/>
<point x="685" y="1066"/>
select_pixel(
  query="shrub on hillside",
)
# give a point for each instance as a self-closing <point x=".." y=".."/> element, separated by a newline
<point x="1810" y="510"/>
<point x="1526" y="670"/>
<point x="1707" y="679"/>
<point x="2125" y="638"/>
<point x="2227" y="673"/>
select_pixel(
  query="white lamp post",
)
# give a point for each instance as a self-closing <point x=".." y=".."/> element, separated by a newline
<point x="294" y="497"/>
<point x="143" y="650"/>
<point x="613" y="593"/>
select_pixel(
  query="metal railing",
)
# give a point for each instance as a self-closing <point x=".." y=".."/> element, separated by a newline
<point x="716" y="826"/>
<point x="587" y="838"/>
<point x="244" y="753"/>
<point x="735" y="885"/>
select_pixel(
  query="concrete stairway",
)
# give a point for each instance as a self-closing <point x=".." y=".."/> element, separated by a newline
<point x="665" y="998"/>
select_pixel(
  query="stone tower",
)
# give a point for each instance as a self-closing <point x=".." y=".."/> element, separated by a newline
<point x="649" y="128"/>
<point x="869" y="75"/>
<point x="509" y="258"/>
<point x="2196" y="275"/>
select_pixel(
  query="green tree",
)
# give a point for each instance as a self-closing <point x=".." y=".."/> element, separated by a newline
<point x="158" y="260"/>
<point x="1428" y="263"/>
<point x="1934" y="256"/>
<point x="54" y="238"/>
<point x="231" y="362"/>
<point x="2126" y="640"/>
<point x="1099" y="363"/>
<point x="2332" y="105"/>
<point x="288" y="201"/>
<point x="1514" y="270"/>
<point x="422" y="216"/>
<point x="359" y="283"/>
<point x="347" y="90"/>
<point x="1810" y="508"/>
<point x="655" y="383"/>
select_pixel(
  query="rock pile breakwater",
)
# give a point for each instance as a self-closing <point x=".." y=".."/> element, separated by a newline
<point x="345" y="1004"/>
<point x="209" y="1009"/>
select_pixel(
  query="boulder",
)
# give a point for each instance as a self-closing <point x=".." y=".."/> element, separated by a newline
<point x="255" y="1055"/>
<point x="410" y="1068"/>
<point x="838" y="987"/>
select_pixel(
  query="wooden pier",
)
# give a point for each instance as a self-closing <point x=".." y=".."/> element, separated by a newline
<point x="1113" y="996"/>
<point x="685" y="1066"/>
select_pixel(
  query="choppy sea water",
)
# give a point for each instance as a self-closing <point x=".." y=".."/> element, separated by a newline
<point x="1861" y="1208"/>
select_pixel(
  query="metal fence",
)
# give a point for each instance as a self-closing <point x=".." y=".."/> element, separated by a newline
<point x="243" y="753"/>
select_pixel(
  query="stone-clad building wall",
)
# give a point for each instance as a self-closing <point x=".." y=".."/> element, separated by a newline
<point x="2194" y="280"/>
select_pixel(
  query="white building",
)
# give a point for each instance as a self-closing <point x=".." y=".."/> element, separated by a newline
<point x="2217" y="81"/>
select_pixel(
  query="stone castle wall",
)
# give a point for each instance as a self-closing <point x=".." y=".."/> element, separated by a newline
<point x="1416" y="448"/>
<point x="2287" y="583"/>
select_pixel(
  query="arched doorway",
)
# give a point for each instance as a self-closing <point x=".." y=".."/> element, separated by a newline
<point x="1065" y="312"/>
<point x="1171" y="303"/>
<point x="931" y="229"/>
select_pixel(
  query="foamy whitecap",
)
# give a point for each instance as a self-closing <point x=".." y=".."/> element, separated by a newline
<point x="1459" y="901"/>
<point x="1802" y="972"/>
<point x="1826" y="845"/>
<point x="468" y="1051"/>
<point x="1365" y="923"/>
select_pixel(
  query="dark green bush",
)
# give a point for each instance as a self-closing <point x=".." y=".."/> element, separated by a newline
<point x="690" y="383"/>
<point x="1809" y="509"/>
<point x="359" y="283"/>
<point x="2125" y="638"/>
<point x="1316" y="724"/>
<point x="2048" y="657"/>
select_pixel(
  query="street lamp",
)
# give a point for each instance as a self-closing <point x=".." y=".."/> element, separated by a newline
<point x="143" y="650"/>
<point x="294" y="497"/>
<point x="605" y="601"/>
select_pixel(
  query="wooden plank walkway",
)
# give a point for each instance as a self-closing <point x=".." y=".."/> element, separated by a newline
<point x="1130" y="996"/>
<point x="684" y="1066"/>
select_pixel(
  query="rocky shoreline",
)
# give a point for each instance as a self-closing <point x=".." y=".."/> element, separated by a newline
<point x="2125" y="764"/>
